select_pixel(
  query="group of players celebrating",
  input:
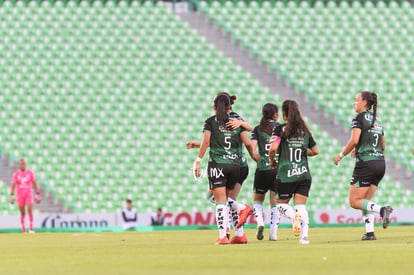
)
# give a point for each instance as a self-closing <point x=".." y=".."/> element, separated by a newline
<point x="281" y="152"/>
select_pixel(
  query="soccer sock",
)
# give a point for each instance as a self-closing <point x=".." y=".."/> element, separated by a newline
<point x="235" y="204"/>
<point x="235" y="220"/>
<point x="258" y="212"/>
<point x="285" y="210"/>
<point x="31" y="221"/>
<point x="221" y="218"/>
<point x="22" y="223"/>
<point x="274" y="220"/>
<point x="371" y="206"/>
<point x="229" y="216"/>
<point x="368" y="218"/>
<point x="301" y="209"/>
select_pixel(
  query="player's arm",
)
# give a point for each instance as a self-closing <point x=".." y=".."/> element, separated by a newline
<point x="12" y="188"/>
<point x="38" y="198"/>
<point x="205" y="143"/>
<point x="254" y="144"/>
<point x="235" y="123"/>
<point x="274" y="147"/>
<point x="352" y="142"/>
<point x="249" y="147"/>
<point x="383" y="144"/>
<point x="313" y="151"/>
<point x="193" y="144"/>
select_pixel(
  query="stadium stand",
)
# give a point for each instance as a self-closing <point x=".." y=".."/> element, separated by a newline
<point x="100" y="98"/>
<point x="330" y="50"/>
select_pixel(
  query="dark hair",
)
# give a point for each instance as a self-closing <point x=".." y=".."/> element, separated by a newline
<point x="222" y="103"/>
<point x="129" y="201"/>
<point x="371" y="99"/>
<point x="268" y="111"/>
<point x="232" y="97"/>
<point x="295" y="125"/>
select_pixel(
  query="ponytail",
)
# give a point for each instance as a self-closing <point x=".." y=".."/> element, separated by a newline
<point x="222" y="103"/>
<point x="374" y="108"/>
<point x="295" y="125"/>
<point x="372" y="101"/>
<point x="268" y="112"/>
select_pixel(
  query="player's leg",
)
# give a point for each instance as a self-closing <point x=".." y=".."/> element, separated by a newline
<point x="232" y="183"/>
<point x="300" y="198"/>
<point x="258" y="199"/>
<point x="283" y="196"/>
<point x="221" y="213"/>
<point x="243" y="210"/>
<point x="217" y="183"/>
<point x="22" y="210"/>
<point x="259" y="192"/>
<point x="274" y="217"/>
<point x="30" y="214"/>
<point x="21" y="202"/>
<point x="367" y="174"/>
<point x="368" y="217"/>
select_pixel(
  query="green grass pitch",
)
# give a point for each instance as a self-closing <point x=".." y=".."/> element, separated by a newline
<point x="332" y="251"/>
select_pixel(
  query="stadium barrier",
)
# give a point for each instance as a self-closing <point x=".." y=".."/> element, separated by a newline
<point x="184" y="221"/>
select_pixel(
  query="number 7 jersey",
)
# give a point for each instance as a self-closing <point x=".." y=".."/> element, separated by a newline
<point x="293" y="159"/>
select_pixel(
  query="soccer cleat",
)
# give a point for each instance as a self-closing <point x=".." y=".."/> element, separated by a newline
<point x="273" y="238"/>
<point x="31" y="232"/>
<point x="259" y="232"/>
<point x="228" y="232"/>
<point x="296" y="226"/>
<point x="385" y="215"/>
<point x="243" y="215"/>
<point x="304" y="240"/>
<point x="223" y="240"/>
<point x="368" y="237"/>
<point x="239" y="239"/>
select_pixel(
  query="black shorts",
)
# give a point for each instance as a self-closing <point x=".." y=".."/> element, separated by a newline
<point x="222" y="175"/>
<point x="285" y="190"/>
<point x="368" y="172"/>
<point x="244" y="172"/>
<point x="264" y="181"/>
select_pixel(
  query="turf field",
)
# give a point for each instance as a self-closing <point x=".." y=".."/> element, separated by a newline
<point x="332" y="251"/>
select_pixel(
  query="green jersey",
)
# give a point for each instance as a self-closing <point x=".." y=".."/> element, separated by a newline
<point x="263" y="143"/>
<point x="293" y="159"/>
<point x="224" y="144"/>
<point x="369" y="146"/>
<point x="243" y="160"/>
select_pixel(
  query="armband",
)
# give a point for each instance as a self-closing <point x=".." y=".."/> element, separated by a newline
<point x="341" y="154"/>
<point x="198" y="159"/>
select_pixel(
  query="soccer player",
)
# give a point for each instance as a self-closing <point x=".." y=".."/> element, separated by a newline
<point x="239" y="212"/>
<point x="294" y="143"/>
<point x="367" y="138"/>
<point x="23" y="180"/>
<point x="224" y="161"/>
<point x="264" y="178"/>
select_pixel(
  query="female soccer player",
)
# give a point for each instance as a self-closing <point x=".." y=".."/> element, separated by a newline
<point x="239" y="212"/>
<point x="264" y="178"/>
<point x="367" y="138"/>
<point x="23" y="180"/>
<point x="294" y="143"/>
<point x="224" y="163"/>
